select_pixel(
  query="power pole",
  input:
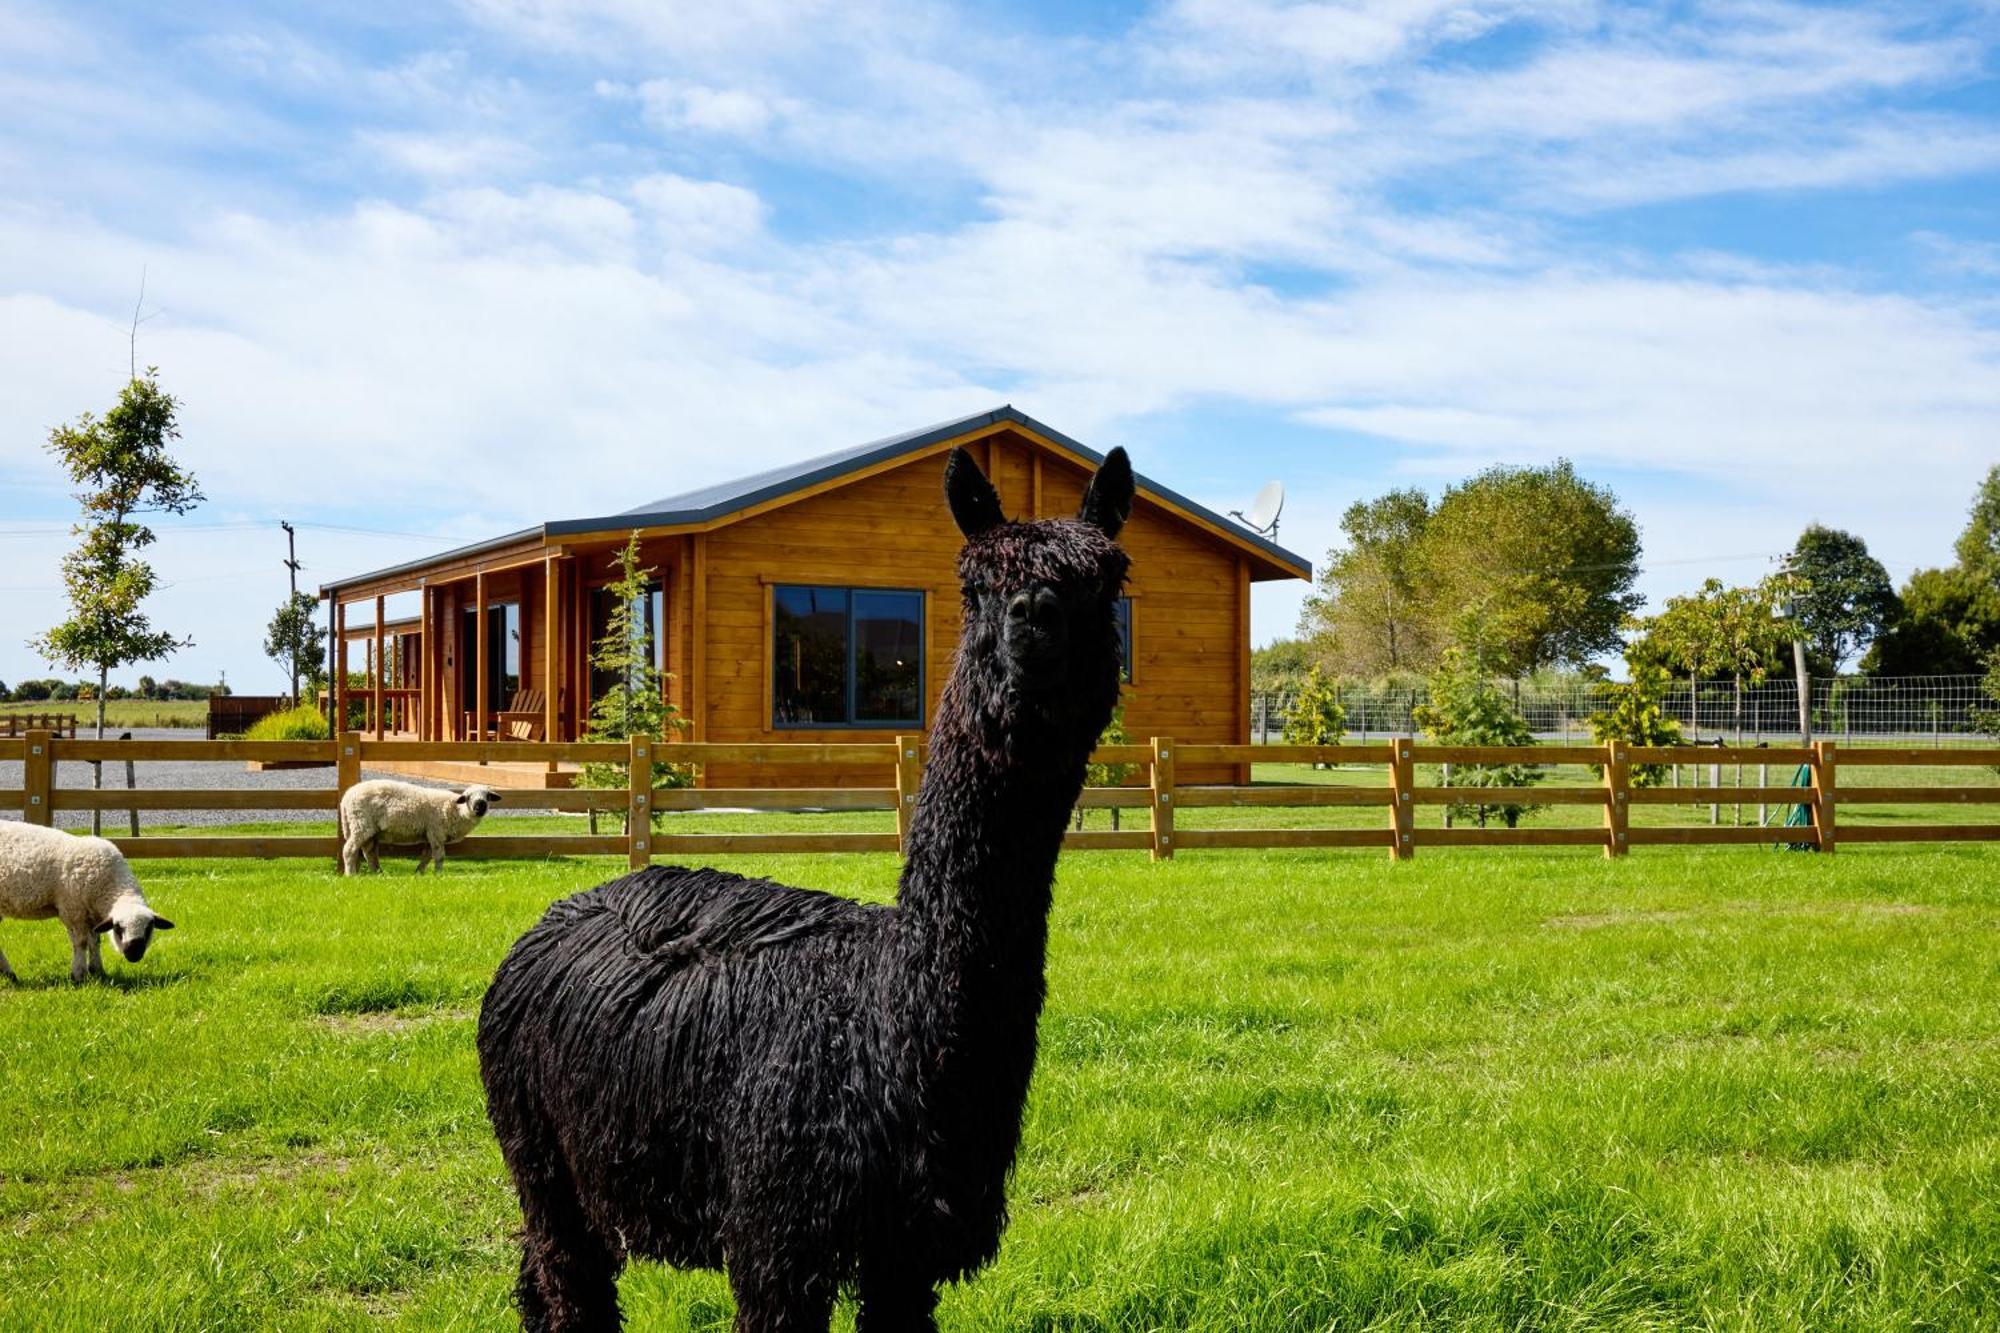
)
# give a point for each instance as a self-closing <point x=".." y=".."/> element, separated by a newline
<point x="1802" y="680"/>
<point x="292" y="567"/>
<point x="292" y="558"/>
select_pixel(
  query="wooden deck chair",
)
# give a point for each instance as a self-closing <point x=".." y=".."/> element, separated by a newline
<point x="524" y="719"/>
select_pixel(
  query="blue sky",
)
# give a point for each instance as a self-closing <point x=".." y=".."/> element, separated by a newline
<point x="444" y="270"/>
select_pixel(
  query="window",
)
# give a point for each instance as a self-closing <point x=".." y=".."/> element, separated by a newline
<point x="846" y="657"/>
<point x="503" y="655"/>
<point x="651" y="616"/>
<point x="1125" y="638"/>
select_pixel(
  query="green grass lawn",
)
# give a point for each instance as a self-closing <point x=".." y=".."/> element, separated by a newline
<point x="122" y="713"/>
<point x="1278" y="1090"/>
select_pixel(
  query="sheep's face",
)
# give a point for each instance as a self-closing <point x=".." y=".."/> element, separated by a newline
<point x="131" y="927"/>
<point x="476" y="801"/>
<point x="1041" y="629"/>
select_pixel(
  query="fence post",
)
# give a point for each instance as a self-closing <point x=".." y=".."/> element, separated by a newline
<point x="1163" y="799"/>
<point x="37" y="778"/>
<point x="639" y="807"/>
<point x="1617" y="806"/>
<point x="1402" y="805"/>
<point x="1826" y="791"/>
<point x="909" y="775"/>
<point x="131" y="784"/>
<point x="346" y="772"/>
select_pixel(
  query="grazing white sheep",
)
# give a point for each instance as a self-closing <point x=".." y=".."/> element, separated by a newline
<point x="86" y="882"/>
<point x="371" y="812"/>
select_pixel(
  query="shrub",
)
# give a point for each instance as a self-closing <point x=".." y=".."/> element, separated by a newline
<point x="1315" y="717"/>
<point x="294" y="724"/>
<point x="1467" y="708"/>
<point x="1109" y="775"/>
<point x="1635" y="713"/>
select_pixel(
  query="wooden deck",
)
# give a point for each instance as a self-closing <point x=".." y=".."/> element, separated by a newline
<point x="545" y="776"/>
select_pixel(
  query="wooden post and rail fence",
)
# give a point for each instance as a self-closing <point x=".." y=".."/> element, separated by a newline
<point x="900" y="759"/>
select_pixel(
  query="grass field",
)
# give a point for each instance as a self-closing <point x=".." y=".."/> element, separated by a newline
<point x="122" y="713"/>
<point x="1695" y="1088"/>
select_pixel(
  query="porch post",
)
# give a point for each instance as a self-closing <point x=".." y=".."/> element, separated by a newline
<point x="380" y="665"/>
<point x="551" y="646"/>
<point x="339" y="718"/>
<point x="480" y="702"/>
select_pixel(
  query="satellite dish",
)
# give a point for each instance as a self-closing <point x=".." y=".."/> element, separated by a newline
<point x="1264" y="510"/>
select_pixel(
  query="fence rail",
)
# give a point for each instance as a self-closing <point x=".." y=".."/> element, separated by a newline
<point x="901" y="760"/>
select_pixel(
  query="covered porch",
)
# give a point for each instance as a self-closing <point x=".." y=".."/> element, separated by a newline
<point x="495" y="645"/>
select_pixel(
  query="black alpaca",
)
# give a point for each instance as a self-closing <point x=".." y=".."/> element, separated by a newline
<point x="713" y="1071"/>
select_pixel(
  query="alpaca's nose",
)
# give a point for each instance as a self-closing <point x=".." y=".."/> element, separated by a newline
<point x="1038" y="608"/>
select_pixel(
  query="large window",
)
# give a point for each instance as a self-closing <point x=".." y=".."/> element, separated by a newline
<point x="847" y="657"/>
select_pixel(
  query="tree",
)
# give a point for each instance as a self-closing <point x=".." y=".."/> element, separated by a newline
<point x="123" y="465"/>
<point x="1844" y="598"/>
<point x="296" y="641"/>
<point x="1315" y="717"/>
<point x="1371" y="614"/>
<point x="1280" y="666"/>
<point x="148" y="687"/>
<point x="1635" y="712"/>
<point x="637" y="703"/>
<point x="1978" y="547"/>
<point x="1545" y="559"/>
<point x="1466" y="708"/>
<point x="1947" y="622"/>
<point x="1719" y="631"/>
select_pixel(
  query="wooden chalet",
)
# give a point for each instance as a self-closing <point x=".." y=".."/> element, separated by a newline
<point x="814" y="602"/>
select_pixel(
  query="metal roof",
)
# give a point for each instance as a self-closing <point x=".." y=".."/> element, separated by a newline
<point x="720" y="501"/>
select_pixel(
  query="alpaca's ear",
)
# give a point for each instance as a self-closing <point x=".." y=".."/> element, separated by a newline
<point x="1108" y="502"/>
<point x="975" y="507"/>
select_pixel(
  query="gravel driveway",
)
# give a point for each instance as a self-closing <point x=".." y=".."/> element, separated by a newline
<point x="163" y="775"/>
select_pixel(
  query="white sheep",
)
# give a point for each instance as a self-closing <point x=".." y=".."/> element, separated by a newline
<point x="86" y="882"/>
<point x="404" y="812"/>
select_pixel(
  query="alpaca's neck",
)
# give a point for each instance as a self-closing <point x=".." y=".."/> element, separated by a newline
<point x="975" y="891"/>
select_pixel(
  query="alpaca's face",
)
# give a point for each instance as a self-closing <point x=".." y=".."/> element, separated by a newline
<point x="1041" y="630"/>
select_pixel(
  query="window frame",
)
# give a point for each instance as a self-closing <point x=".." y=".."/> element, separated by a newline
<point x="1128" y="641"/>
<point x="774" y="588"/>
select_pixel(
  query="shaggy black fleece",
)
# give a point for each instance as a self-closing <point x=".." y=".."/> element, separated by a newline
<point x="695" y="1067"/>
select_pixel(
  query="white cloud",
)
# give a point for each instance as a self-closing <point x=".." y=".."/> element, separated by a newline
<point x="669" y="105"/>
<point x="447" y="155"/>
<point x="697" y="215"/>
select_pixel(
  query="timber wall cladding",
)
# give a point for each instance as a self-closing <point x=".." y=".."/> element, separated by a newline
<point x="892" y="530"/>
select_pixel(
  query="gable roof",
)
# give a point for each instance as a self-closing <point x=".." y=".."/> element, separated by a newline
<point x="712" y="504"/>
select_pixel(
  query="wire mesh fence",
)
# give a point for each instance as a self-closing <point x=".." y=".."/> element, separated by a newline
<point x="1935" y="709"/>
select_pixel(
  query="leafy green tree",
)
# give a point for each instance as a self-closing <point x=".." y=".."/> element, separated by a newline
<point x="121" y="462"/>
<point x="1315" y="717"/>
<point x="1635" y="712"/>
<point x="1844" y="597"/>
<point x="296" y="641"/>
<point x="1466" y="708"/>
<point x="1988" y="719"/>
<point x="1371" y="614"/>
<point x="148" y="687"/>
<point x="1719" y="631"/>
<point x="1280" y="666"/>
<point x="636" y="704"/>
<point x="1978" y="547"/>
<point x="1949" y="620"/>
<point x="1542" y="559"/>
